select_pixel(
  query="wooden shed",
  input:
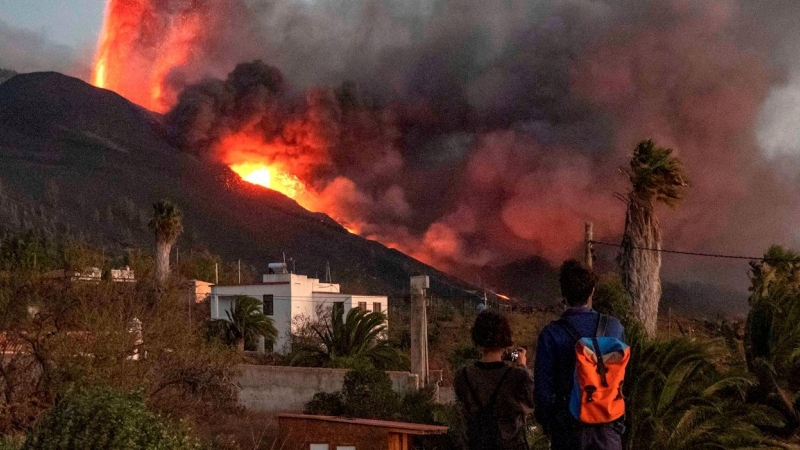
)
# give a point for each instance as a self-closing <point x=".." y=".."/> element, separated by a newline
<point x="306" y="432"/>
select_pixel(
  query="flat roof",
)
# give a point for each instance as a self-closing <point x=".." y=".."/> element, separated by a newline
<point x="397" y="427"/>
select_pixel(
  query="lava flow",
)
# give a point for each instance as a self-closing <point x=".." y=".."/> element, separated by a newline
<point x="270" y="177"/>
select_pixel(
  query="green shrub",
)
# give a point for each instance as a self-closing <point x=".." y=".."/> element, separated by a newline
<point x="325" y="404"/>
<point x="105" y="418"/>
<point x="368" y="394"/>
<point x="8" y="442"/>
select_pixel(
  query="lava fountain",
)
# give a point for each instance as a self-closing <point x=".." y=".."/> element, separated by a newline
<point x="138" y="47"/>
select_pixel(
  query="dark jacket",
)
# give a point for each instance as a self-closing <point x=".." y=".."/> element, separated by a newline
<point x="514" y="399"/>
<point x="554" y="366"/>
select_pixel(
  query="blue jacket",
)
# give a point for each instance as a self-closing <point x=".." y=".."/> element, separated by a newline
<point x="554" y="367"/>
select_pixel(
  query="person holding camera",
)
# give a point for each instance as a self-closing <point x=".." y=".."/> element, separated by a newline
<point x="496" y="392"/>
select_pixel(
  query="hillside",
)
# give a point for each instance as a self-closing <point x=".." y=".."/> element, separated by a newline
<point x="85" y="162"/>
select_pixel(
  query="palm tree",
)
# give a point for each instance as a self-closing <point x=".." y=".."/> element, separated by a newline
<point x="655" y="176"/>
<point x="772" y="334"/>
<point x="167" y="225"/>
<point x="246" y="322"/>
<point x="677" y="399"/>
<point x="352" y="341"/>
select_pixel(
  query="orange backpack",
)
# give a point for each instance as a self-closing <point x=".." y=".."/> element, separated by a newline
<point x="599" y="375"/>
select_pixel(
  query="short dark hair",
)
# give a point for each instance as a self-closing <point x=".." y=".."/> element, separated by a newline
<point x="577" y="283"/>
<point x="491" y="330"/>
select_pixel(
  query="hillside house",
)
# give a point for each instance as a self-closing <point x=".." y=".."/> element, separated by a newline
<point x="289" y="299"/>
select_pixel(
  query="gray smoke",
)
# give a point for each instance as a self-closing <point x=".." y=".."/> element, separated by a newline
<point x="503" y="124"/>
<point x="23" y="50"/>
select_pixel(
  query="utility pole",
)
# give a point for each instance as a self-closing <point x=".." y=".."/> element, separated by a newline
<point x="240" y="271"/>
<point x="419" y="329"/>
<point x="216" y="273"/>
<point x="588" y="237"/>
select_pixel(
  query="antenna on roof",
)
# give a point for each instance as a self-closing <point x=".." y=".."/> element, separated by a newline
<point x="327" y="271"/>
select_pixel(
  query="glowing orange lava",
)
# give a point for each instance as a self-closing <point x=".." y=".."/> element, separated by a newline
<point x="270" y="177"/>
<point x="137" y="49"/>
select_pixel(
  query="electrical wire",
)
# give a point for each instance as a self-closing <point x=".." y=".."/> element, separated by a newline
<point x="707" y="255"/>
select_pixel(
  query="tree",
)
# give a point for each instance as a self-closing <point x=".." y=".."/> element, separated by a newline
<point x="677" y="399"/>
<point x="247" y="322"/>
<point x="772" y="334"/>
<point x="167" y="225"/>
<point x="655" y="176"/>
<point x="109" y="419"/>
<point x="355" y="341"/>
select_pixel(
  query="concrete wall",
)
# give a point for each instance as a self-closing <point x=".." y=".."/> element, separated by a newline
<point x="287" y="389"/>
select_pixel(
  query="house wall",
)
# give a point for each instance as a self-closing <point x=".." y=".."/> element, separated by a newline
<point x="281" y="310"/>
<point x="294" y="297"/>
<point x="287" y="389"/>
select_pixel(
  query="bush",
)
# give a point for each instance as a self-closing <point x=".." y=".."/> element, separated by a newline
<point x="109" y="419"/>
<point x="368" y="394"/>
<point x="325" y="404"/>
<point x="463" y="355"/>
<point x="10" y="442"/>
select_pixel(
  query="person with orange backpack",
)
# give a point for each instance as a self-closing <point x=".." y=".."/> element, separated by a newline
<point x="579" y="370"/>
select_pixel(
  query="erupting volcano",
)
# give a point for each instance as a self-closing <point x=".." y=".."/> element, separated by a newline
<point x="144" y="43"/>
<point x="468" y="133"/>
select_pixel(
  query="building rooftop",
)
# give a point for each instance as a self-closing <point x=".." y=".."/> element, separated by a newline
<point x="395" y="427"/>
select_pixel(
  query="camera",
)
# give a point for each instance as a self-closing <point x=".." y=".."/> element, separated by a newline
<point x="511" y="355"/>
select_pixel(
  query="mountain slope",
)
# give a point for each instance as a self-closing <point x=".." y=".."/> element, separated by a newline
<point x="87" y="162"/>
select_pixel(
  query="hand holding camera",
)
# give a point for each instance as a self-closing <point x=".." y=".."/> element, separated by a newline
<point x="516" y="356"/>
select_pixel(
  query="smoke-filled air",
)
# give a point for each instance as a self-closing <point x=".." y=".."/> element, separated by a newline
<point x="471" y="132"/>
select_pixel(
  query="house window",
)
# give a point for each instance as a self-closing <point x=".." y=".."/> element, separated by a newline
<point x="269" y="305"/>
<point x="362" y="305"/>
<point x="376" y="307"/>
<point x="338" y="309"/>
<point x="345" y="447"/>
<point x="319" y="447"/>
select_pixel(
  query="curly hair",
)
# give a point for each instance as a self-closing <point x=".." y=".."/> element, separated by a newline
<point x="491" y="330"/>
<point x="577" y="283"/>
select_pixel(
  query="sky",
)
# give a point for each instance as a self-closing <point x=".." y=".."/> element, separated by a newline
<point x="510" y="101"/>
<point x="74" y="23"/>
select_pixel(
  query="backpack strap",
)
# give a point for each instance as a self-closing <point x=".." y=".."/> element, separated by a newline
<point x="564" y="323"/>
<point x="602" y="324"/>
<point x="493" y="397"/>
<point x="602" y="370"/>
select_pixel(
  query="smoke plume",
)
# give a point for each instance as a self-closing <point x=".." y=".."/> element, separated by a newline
<point x="468" y="133"/>
<point x="23" y="50"/>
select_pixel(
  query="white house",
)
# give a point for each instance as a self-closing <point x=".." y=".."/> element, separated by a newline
<point x="287" y="296"/>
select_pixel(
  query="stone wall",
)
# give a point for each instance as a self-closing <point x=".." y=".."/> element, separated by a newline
<point x="287" y="389"/>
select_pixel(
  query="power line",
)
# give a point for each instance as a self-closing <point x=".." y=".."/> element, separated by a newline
<point x="708" y="255"/>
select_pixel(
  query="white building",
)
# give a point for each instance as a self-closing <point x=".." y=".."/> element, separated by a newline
<point x="289" y="298"/>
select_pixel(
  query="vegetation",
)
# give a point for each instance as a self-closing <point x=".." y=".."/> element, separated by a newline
<point x="59" y="337"/>
<point x="677" y="399"/>
<point x="167" y="225"/>
<point x="109" y="419"/>
<point x="355" y="341"/>
<point x="656" y="177"/>
<point x="772" y="335"/>
<point x="247" y="323"/>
